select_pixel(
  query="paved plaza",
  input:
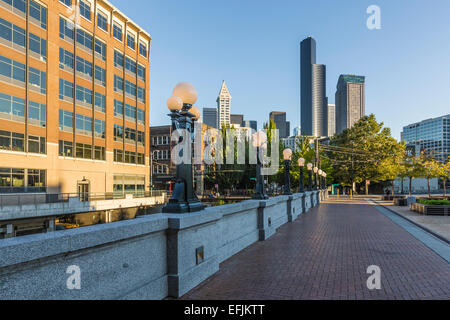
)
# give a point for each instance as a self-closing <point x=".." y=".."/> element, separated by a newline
<point x="325" y="254"/>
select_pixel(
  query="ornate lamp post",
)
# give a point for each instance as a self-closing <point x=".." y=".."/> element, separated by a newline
<point x="183" y="116"/>
<point x="258" y="140"/>
<point x="301" y="164"/>
<point x="325" y="180"/>
<point x="315" y="178"/>
<point x="320" y="179"/>
<point x="287" y="156"/>
<point x="309" y="167"/>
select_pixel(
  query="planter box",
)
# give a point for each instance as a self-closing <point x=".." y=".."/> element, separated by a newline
<point x="430" y="210"/>
<point x="402" y="202"/>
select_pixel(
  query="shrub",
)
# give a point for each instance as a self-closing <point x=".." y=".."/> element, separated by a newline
<point x="435" y="202"/>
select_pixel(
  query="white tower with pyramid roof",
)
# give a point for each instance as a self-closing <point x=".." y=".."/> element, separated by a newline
<point x="223" y="105"/>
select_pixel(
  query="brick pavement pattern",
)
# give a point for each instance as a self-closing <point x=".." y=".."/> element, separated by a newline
<point x="324" y="254"/>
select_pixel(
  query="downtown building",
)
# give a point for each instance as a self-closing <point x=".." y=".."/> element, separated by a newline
<point x="223" y="106"/>
<point x="210" y="117"/>
<point x="331" y="120"/>
<point x="74" y="98"/>
<point x="283" y="126"/>
<point x="350" y="101"/>
<point x="431" y="136"/>
<point x="314" y="105"/>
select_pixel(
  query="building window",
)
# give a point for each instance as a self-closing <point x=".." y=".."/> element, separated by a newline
<point x="118" y="59"/>
<point x="85" y="9"/>
<point x="83" y="151"/>
<point x="84" y="95"/>
<point x="131" y="41"/>
<point x="118" y="108"/>
<point x="99" y="128"/>
<point x="141" y="116"/>
<point x="130" y="112"/>
<point x="118" y="84"/>
<point x="102" y="22"/>
<point x="12" y="33"/>
<point x="118" y="132"/>
<point x="38" y="45"/>
<point x="37" y="113"/>
<point x="130" y="89"/>
<point x="65" y="120"/>
<point x="141" y="138"/>
<point x="16" y="4"/>
<point x="36" y="144"/>
<point x="84" y="67"/>
<point x="117" y="32"/>
<point x="100" y="75"/>
<point x="141" y="72"/>
<point x="66" y="2"/>
<point x="100" y="102"/>
<point x="12" y="141"/>
<point x="12" y="108"/>
<point x="83" y="125"/>
<point x="141" y="94"/>
<point x="36" y="180"/>
<point x="99" y="153"/>
<point x="100" y="49"/>
<point x="37" y="79"/>
<point x="130" y="65"/>
<point x="130" y="135"/>
<point x="38" y="13"/>
<point x="11" y="69"/>
<point x="66" y="29"/>
<point x="65" y="90"/>
<point x="65" y="59"/>
<point x="14" y="180"/>
<point x="84" y="39"/>
<point x="143" y="50"/>
<point x="66" y="148"/>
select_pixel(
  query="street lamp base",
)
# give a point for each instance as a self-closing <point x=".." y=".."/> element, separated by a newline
<point x="260" y="196"/>
<point x="183" y="207"/>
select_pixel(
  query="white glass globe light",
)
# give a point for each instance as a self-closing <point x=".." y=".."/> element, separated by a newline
<point x="174" y="103"/>
<point x="316" y="169"/>
<point x="196" y="112"/>
<point x="301" y="162"/>
<point x="186" y="92"/>
<point x="309" y="165"/>
<point x="287" y="154"/>
<point x="258" y="139"/>
<point x="320" y="172"/>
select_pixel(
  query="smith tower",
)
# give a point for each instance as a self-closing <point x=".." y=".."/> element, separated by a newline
<point x="223" y="105"/>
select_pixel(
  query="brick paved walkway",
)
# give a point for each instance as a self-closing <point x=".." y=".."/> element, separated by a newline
<point x="325" y="253"/>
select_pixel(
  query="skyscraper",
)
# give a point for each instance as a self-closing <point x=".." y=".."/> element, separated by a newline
<point x="210" y="117"/>
<point x="250" y="124"/>
<point x="331" y="120"/>
<point x="314" y="121"/>
<point x="350" y="101"/>
<point x="237" y="119"/>
<point x="223" y="105"/>
<point x="283" y="126"/>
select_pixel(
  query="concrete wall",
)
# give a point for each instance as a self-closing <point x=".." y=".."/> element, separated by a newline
<point x="150" y="257"/>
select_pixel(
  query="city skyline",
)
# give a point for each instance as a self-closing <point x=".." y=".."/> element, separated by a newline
<point x="258" y="86"/>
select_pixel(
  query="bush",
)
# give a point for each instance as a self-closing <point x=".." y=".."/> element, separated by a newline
<point x="435" y="202"/>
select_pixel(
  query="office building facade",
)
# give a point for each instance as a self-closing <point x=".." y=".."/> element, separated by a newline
<point x="283" y="126"/>
<point x="431" y="136"/>
<point x="350" y="101"/>
<point x="331" y="120"/>
<point x="313" y="104"/>
<point x="210" y="117"/>
<point x="251" y="124"/>
<point x="74" y="104"/>
<point x="162" y="170"/>
<point x="223" y="106"/>
<point x="237" y="119"/>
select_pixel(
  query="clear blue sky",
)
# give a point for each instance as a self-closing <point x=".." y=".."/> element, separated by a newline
<point x="254" y="46"/>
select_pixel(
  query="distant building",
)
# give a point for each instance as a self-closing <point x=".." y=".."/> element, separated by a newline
<point x="350" y="101"/>
<point x="210" y="117"/>
<point x="431" y="136"/>
<point x="291" y="142"/>
<point x="250" y="124"/>
<point x="223" y="105"/>
<point x="314" y="120"/>
<point x="298" y="131"/>
<point x="162" y="170"/>
<point x="237" y="119"/>
<point x="331" y="120"/>
<point x="282" y="125"/>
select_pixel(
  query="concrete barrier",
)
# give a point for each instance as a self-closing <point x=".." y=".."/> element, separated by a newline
<point x="150" y="257"/>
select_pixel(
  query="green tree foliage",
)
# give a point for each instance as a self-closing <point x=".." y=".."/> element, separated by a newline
<point x="367" y="151"/>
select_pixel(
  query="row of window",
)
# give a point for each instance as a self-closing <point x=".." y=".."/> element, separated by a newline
<point x="36" y="12"/>
<point x="130" y="88"/>
<point x="83" y="124"/>
<point x="129" y="157"/>
<point x="130" y="65"/>
<point x="13" y="108"/>
<point x="18" y="179"/>
<point x="131" y="135"/>
<point x="82" y="94"/>
<point x="160" y="140"/>
<point x="161" y="155"/>
<point x="14" y="70"/>
<point x="16" y="35"/>
<point x="13" y="141"/>
<point x="82" y="151"/>
<point x="130" y="112"/>
<point x="160" y="169"/>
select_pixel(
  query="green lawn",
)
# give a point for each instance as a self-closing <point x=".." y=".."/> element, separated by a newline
<point x="435" y="202"/>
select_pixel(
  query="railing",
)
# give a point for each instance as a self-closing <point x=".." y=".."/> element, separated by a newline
<point x="20" y="199"/>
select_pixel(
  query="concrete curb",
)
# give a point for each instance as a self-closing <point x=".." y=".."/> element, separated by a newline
<point x="415" y="223"/>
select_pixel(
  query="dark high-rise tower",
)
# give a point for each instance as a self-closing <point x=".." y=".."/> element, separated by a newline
<point x="314" y="120"/>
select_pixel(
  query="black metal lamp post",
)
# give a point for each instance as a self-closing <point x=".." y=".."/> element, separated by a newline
<point x="287" y="156"/>
<point x="309" y="167"/>
<point x="301" y="164"/>
<point x="316" y="187"/>
<point x="325" y="180"/>
<point x="319" y="176"/>
<point x="183" y="116"/>
<point x="258" y="140"/>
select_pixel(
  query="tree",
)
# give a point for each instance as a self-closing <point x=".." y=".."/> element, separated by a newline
<point x="445" y="174"/>
<point x="412" y="168"/>
<point x="367" y="151"/>
<point x="432" y="169"/>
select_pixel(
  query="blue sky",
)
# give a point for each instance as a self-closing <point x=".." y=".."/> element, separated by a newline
<point x="254" y="46"/>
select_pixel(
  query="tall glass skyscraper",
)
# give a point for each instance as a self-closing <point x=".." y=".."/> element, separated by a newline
<point x="314" y="120"/>
<point x="431" y="136"/>
<point x="350" y="101"/>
